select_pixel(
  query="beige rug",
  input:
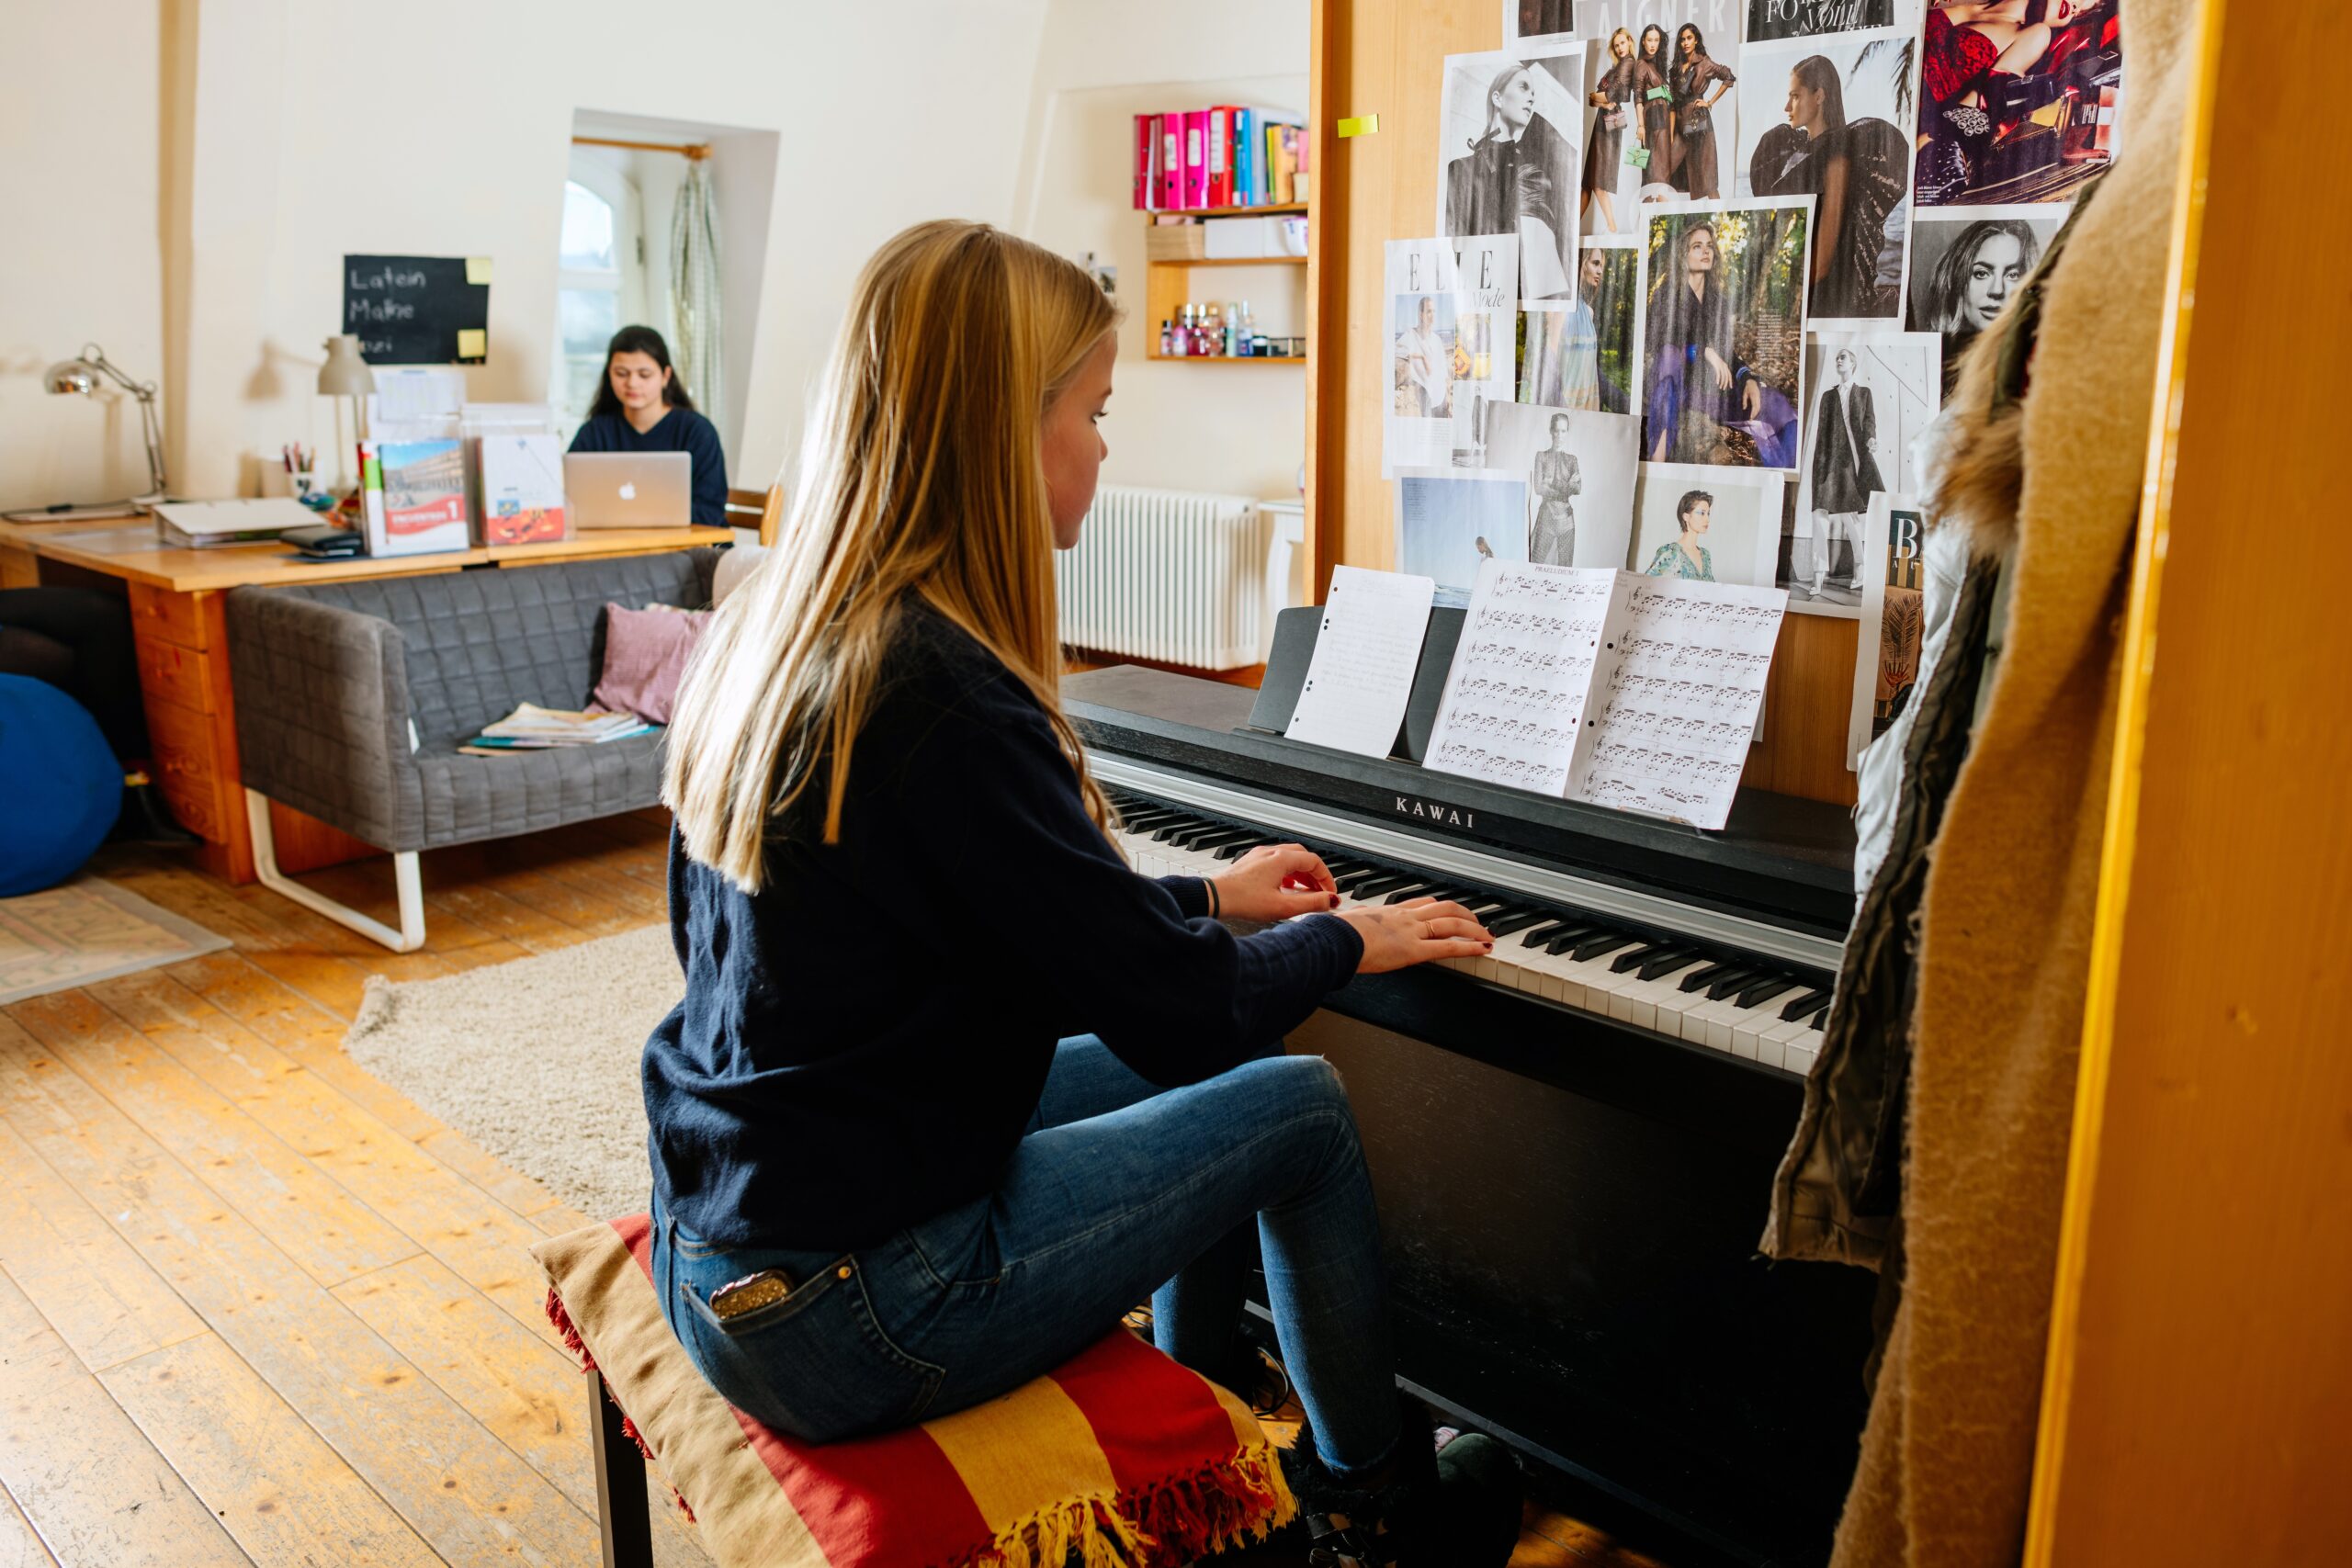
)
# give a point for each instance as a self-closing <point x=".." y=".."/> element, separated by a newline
<point x="88" y="930"/>
<point x="536" y="1061"/>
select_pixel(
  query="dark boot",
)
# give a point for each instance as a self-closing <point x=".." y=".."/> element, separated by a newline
<point x="1459" y="1508"/>
<point x="145" y="820"/>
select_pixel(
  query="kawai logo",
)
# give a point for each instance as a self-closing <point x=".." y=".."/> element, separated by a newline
<point x="1436" y="811"/>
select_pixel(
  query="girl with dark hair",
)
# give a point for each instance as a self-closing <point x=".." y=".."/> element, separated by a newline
<point x="1700" y="391"/>
<point x="1683" y="555"/>
<point x="1657" y="98"/>
<point x="1974" y="278"/>
<point x="1856" y="172"/>
<point x="1697" y="83"/>
<point x="640" y="407"/>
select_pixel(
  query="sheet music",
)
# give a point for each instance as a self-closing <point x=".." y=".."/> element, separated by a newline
<point x="1515" y="697"/>
<point x="1365" y="652"/>
<point x="1678" y="699"/>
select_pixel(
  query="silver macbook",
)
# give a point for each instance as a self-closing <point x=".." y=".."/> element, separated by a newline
<point x="630" y="489"/>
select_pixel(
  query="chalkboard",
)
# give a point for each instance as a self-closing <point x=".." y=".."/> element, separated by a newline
<point x="417" y="309"/>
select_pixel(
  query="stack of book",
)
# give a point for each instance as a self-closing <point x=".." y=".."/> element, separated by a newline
<point x="1220" y="156"/>
<point x="534" y="728"/>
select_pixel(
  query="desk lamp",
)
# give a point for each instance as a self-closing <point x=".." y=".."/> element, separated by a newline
<point x="345" y="374"/>
<point x="81" y="377"/>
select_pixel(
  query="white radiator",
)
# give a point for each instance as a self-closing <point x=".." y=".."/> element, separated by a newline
<point x="1168" y="575"/>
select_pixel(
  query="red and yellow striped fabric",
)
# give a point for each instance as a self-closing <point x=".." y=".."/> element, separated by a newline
<point x="1120" y="1458"/>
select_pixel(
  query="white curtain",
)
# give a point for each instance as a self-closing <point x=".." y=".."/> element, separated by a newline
<point x="694" y="275"/>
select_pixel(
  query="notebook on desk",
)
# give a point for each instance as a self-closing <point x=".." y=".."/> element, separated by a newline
<point x="630" y="489"/>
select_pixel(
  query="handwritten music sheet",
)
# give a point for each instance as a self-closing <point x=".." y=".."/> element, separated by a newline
<point x="1365" y="652"/>
<point x="1515" y="698"/>
<point x="1678" y="697"/>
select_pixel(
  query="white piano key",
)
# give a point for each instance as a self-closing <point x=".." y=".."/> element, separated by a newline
<point x="1638" y="1004"/>
<point x="1771" y="1047"/>
<point x="1803" y="1051"/>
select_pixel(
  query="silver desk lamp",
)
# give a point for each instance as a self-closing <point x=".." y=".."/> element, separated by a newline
<point x="346" y="374"/>
<point x="81" y="377"/>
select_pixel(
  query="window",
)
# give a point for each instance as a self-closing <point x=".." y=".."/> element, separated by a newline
<point x="600" y="280"/>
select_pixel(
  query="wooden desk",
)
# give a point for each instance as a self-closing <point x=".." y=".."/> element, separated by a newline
<point x="177" y="620"/>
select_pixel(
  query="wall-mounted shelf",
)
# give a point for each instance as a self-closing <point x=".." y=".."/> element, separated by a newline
<point x="1226" y="360"/>
<point x="1229" y="212"/>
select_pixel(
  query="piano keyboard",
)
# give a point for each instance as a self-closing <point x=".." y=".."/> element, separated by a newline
<point x="1696" y="988"/>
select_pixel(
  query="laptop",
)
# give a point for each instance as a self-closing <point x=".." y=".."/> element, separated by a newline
<point x="628" y="489"/>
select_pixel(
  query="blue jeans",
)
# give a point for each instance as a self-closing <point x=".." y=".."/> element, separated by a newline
<point x="1118" y="1188"/>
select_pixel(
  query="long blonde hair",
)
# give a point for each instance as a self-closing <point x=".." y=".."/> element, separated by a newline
<point x="922" y="473"/>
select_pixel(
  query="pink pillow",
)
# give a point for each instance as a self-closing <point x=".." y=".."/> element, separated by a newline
<point x="645" y="657"/>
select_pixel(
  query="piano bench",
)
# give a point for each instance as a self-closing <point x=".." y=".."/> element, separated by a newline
<point x="1118" y="1453"/>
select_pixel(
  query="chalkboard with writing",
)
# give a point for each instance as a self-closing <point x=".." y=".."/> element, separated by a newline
<point x="417" y="309"/>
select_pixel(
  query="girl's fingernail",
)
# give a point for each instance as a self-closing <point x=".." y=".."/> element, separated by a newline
<point x="1335" y="900"/>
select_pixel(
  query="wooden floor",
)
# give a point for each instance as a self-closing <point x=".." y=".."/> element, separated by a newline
<point x="255" y="1306"/>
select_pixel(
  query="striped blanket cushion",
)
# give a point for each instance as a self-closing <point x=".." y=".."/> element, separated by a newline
<point x="1119" y="1459"/>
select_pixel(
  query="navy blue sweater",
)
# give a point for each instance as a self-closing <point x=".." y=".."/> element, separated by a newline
<point x="863" y="1042"/>
<point x="680" y="430"/>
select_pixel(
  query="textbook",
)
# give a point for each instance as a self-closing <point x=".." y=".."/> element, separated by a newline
<point x="416" y="497"/>
<point x="522" y="490"/>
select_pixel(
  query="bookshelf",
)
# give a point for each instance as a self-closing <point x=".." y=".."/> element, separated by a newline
<point x="1168" y="284"/>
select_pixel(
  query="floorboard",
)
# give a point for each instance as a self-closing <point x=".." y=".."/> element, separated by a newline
<point x="257" y="1306"/>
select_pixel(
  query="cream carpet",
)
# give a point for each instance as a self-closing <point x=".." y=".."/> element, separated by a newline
<point x="535" y="1060"/>
<point x="86" y="931"/>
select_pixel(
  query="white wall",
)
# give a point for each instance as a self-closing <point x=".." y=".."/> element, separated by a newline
<point x="79" y="180"/>
<point x="1239" y="428"/>
<point x="888" y="114"/>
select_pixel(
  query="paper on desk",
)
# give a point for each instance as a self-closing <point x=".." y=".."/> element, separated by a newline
<point x="1365" y="651"/>
<point x="1514" y="702"/>
<point x="245" y="516"/>
<point x="431" y="394"/>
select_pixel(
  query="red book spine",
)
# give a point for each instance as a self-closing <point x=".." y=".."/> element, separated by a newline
<point x="1171" y="162"/>
<point x="1146" y="164"/>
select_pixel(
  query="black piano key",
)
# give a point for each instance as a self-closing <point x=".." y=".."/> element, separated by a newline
<point x="1182" y="836"/>
<point x="1607" y="942"/>
<point x="1544" y="933"/>
<point x="1707" y="976"/>
<point x="1765" y="989"/>
<point x="1353" y="882"/>
<point x="1511" y="920"/>
<point x="1575" y="936"/>
<point x="1386" y="882"/>
<point x="1162" y="832"/>
<point x="1224" y="836"/>
<point x="1240" y="847"/>
<point x="1410" y="891"/>
<point x="1738" y="980"/>
<point x="1668" y="964"/>
<point x="1811" y="1001"/>
<point x="1144" y="821"/>
<point x="1346" y="866"/>
<point x="1643" y="955"/>
<point x="1819" y="1020"/>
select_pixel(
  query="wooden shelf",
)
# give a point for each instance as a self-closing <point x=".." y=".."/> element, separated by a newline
<point x="1226" y="360"/>
<point x="1289" y="206"/>
<point x="1225" y="261"/>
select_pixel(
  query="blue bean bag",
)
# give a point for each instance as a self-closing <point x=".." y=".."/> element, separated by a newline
<point x="60" y="788"/>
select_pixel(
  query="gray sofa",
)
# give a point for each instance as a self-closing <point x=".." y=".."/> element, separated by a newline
<point x="353" y="698"/>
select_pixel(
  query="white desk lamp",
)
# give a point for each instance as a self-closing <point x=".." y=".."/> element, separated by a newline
<point x="81" y="377"/>
<point x="345" y="374"/>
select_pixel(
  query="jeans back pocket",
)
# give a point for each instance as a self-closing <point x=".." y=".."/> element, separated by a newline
<point x="814" y="1364"/>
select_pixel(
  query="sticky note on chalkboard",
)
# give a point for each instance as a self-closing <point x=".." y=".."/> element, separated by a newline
<point x="416" y="309"/>
<point x="477" y="269"/>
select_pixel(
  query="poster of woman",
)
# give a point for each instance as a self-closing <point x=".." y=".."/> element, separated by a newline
<point x="1511" y="140"/>
<point x="1701" y="86"/>
<point x="1578" y="467"/>
<point x="1839" y="138"/>
<point x="1964" y="266"/>
<point x="1451" y="331"/>
<point x="1706" y="525"/>
<point x="1539" y="27"/>
<point x="2017" y="99"/>
<point x="1893" y="616"/>
<point x="1871" y="395"/>
<point x="1722" y="333"/>
<point x="1581" y="355"/>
